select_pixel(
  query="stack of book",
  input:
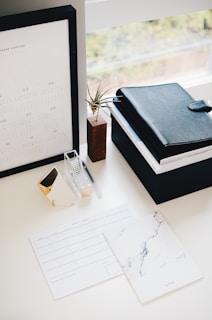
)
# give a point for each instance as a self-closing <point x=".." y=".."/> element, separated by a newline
<point x="166" y="137"/>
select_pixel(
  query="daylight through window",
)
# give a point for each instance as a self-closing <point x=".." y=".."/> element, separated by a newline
<point x="168" y="49"/>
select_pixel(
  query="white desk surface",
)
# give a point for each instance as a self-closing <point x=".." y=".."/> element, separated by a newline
<point x="24" y="293"/>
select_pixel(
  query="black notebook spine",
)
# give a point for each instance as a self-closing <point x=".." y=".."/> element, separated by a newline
<point x="139" y="126"/>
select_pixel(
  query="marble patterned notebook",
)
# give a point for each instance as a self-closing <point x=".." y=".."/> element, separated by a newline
<point x="152" y="257"/>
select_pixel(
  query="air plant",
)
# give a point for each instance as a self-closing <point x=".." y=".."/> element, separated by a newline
<point x="99" y="101"/>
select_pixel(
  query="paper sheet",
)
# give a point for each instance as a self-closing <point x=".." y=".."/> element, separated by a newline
<point x="75" y="256"/>
<point x="166" y="164"/>
<point x="35" y="96"/>
<point x="152" y="257"/>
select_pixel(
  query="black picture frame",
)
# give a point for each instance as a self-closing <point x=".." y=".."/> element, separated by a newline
<point x="24" y="21"/>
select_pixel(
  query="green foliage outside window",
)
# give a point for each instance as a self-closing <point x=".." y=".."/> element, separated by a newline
<point x="147" y="50"/>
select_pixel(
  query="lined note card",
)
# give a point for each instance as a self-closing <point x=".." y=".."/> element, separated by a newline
<point x="75" y="256"/>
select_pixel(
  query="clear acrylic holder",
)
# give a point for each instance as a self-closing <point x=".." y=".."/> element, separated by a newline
<point x="76" y="174"/>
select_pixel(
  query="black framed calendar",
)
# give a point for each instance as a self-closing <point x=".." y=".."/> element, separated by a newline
<point x="38" y="88"/>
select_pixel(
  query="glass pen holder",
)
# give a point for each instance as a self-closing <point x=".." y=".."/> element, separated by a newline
<point x="76" y="174"/>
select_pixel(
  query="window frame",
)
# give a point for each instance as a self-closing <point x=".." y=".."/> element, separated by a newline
<point x="101" y="14"/>
<point x="104" y="13"/>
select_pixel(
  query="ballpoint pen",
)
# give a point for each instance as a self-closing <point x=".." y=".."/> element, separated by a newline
<point x="94" y="184"/>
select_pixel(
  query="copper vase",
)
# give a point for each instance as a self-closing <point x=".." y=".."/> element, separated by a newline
<point x="96" y="137"/>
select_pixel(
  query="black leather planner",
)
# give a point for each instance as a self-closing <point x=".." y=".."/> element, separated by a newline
<point x="166" y="118"/>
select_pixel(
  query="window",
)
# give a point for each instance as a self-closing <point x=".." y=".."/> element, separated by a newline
<point x="173" y="48"/>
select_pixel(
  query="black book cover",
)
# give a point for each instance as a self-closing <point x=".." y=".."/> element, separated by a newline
<point x="159" y="114"/>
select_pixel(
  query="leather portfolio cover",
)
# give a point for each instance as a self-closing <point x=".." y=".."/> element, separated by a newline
<point x="164" y="118"/>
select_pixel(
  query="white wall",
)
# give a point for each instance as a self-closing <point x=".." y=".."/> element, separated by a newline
<point x="16" y="6"/>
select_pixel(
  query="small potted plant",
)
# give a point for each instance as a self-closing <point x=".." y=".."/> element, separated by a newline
<point x="96" y="124"/>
